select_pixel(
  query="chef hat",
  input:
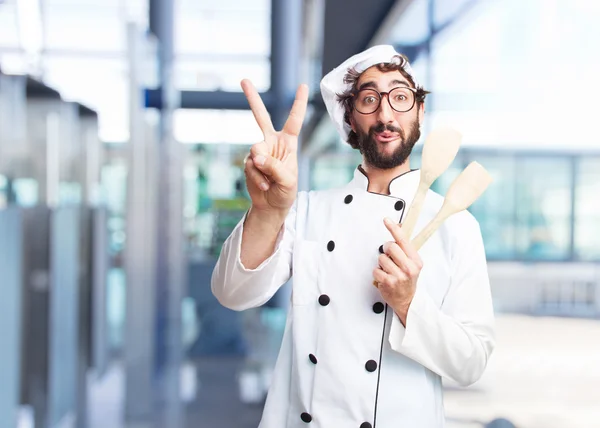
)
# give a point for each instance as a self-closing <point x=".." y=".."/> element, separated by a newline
<point x="333" y="83"/>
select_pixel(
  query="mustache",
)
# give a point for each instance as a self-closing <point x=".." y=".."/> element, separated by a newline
<point x="380" y="127"/>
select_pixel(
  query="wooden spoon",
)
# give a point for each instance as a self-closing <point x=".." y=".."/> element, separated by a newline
<point x="439" y="150"/>
<point x="464" y="190"/>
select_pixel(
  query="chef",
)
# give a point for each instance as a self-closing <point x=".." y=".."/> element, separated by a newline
<point x="373" y="325"/>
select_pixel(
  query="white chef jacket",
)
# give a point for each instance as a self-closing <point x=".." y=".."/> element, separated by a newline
<point x="346" y="360"/>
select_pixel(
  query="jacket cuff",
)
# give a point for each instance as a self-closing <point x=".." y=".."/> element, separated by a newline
<point x="237" y="235"/>
<point x="419" y="317"/>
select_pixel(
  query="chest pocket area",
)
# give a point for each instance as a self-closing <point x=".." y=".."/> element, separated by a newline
<point x="307" y="256"/>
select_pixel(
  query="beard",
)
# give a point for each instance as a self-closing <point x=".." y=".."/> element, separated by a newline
<point x="368" y="146"/>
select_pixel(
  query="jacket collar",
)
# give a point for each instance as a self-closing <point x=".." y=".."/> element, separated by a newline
<point x="403" y="186"/>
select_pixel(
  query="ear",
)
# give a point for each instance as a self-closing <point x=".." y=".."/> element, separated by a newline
<point x="421" y="113"/>
<point x="352" y="123"/>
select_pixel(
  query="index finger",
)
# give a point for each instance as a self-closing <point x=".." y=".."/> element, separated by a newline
<point x="258" y="108"/>
<point x="400" y="238"/>
<point x="296" y="118"/>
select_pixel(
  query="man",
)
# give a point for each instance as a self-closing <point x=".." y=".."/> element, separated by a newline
<point x="355" y="355"/>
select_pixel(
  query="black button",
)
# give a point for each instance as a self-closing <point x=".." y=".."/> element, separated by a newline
<point x="366" y="425"/>
<point x="381" y="249"/>
<point x="324" y="299"/>
<point x="399" y="205"/>
<point x="312" y="358"/>
<point x="378" y="307"/>
<point x="306" y="417"/>
<point x="330" y="245"/>
<point x="371" y="366"/>
<point x="348" y="199"/>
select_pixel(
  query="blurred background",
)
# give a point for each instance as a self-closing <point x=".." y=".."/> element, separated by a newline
<point x="122" y="134"/>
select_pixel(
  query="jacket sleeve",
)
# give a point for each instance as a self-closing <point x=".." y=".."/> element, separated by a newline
<point x="454" y="340"/>
<point x="238" y="288"/>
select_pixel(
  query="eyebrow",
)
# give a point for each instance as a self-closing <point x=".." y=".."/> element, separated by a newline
<point x="394" y="83"/>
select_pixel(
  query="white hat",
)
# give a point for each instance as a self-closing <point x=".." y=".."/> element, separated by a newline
<point x="333" y="83"/>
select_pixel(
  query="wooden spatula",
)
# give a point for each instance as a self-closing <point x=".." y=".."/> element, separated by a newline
<point x="464" y="190"/>
<point x="439" y="150"/>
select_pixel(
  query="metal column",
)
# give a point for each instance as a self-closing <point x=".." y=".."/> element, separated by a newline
<point x="140" y="314"/>
<point x="53" y="271"/>
<point x="286" y="53"/>
<point x="11" y="266"/>
<point x="286" y="35"/>
<point x="170" y="259"/>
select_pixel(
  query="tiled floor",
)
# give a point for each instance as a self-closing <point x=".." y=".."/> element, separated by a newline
<point x="545" y="373"/>
<point x="217" y="404"/>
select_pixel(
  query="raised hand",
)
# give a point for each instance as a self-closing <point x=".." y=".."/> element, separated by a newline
<point x="271" y="168"/>
<point x="398" y="271"/>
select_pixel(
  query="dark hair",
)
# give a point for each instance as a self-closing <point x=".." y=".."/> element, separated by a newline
<point x="352" y="76"/>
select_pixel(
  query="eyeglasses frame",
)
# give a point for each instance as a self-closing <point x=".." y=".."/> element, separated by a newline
<point x="381" y="94"/>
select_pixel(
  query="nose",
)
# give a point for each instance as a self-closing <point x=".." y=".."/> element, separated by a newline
<point x="385" y="113"/>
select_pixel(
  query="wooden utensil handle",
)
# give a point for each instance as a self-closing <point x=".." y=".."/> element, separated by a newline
<point x="430" y="229"/>
<point x="412" y="216"/>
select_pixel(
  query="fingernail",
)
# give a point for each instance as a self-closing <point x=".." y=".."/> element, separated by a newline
<point x="387" y="220"/>
<point x="260" y="160"/>
<point x="264" y="186"/>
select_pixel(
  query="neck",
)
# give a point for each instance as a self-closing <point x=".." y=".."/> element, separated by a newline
<point x="379" y="179"/>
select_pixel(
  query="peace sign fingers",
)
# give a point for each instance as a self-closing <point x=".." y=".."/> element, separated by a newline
<point x="273" y="170"/>
<point x="258" y="108"/>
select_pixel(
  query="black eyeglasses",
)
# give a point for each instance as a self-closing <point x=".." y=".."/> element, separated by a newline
<point x="401" y="99"/>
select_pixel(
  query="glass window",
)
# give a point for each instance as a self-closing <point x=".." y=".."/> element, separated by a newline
<point x="484" y="60"/>
<point x="587" y="209"/>
<point x="543" y="208"/>
<point x="495" y="209"/>
<point x="526" y="211"/>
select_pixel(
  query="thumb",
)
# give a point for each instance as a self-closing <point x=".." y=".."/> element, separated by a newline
<point x="274" y="169"/>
